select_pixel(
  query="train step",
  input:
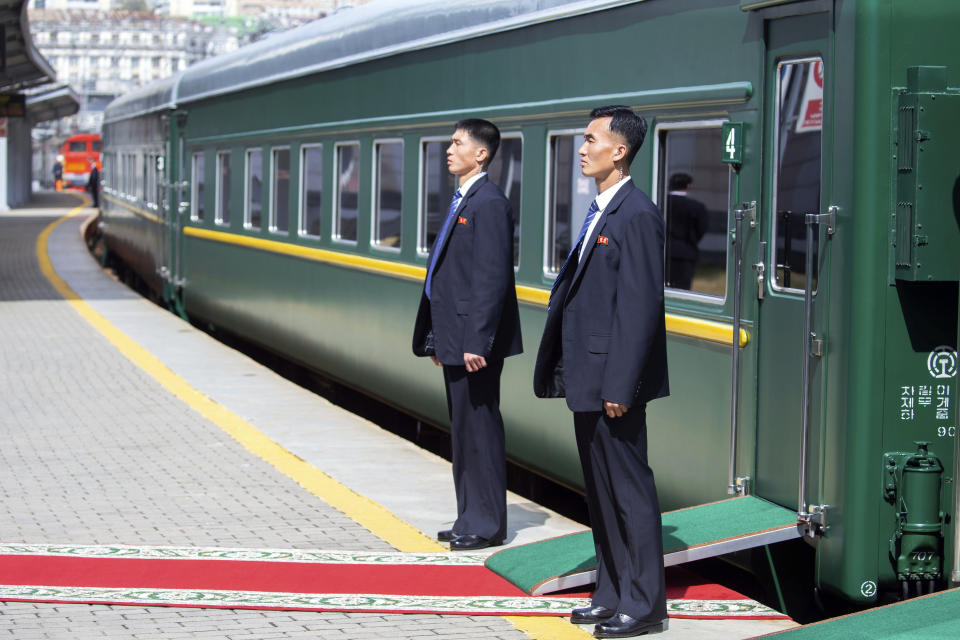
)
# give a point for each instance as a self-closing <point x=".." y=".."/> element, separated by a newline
<point x="922" y="618"/>
<point x="689" y="534"/>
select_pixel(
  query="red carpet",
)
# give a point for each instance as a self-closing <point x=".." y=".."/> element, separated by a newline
<point x="284" y="577"/>
<point x="305" y="580"/>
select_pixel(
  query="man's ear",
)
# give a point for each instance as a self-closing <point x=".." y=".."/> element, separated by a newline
<point x="482" y="155"/>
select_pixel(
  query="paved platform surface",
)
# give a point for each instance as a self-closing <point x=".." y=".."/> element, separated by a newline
<point x="96" y="451"/>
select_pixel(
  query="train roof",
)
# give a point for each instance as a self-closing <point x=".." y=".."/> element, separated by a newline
<point x="368" y="32"/>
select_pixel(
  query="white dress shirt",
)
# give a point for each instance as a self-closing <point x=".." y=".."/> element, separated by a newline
<point x="603" y="199"/>
<point x="466" y="186"/>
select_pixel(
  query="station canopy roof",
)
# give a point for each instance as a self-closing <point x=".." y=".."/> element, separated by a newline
<point x="368" y="32"/>
<point x="24" y="66"/>
<point x="26" y="71"/>
<point x="51" y="102"/>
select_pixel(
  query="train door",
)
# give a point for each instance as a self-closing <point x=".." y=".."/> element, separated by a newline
<point x="796" y="191"/>
<point x="158" y="165"/>
<point x="169" y="167"/>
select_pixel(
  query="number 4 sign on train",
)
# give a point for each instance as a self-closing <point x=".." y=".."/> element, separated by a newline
<point x="811" y="109"/>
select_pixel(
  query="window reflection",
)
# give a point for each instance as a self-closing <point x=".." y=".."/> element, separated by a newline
<point x="311" y="199"/>
<point x="506" y="171"/>
<point x="254" y="208"/>
<point x="389" y="192"/>
<point x="799" y="117"/>
<point x="348" y="189"/>
<point x="437" y="189"/>
<point x="280" y="209"/>
<point x="570" y="197"/>
<point x="694" y="196"/>
<point x="223" y="188"/>
<point x="198" y="181"/>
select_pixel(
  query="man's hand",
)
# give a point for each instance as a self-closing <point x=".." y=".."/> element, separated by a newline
<point x="473" y="362"/>
<point x="615" y="410"/>
<point x="435" y="361"/>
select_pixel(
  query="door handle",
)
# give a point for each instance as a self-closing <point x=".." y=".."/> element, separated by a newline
<point x="761" y="280"/>
<point x="761" y="270"/>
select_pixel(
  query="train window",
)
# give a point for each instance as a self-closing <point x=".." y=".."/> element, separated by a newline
<point x="311" y="189"/>
<point x="436" y="189"/>
<point x="693" y="191"/>
<point x="506" y="171"/>
<point x="387" y="193"/>
<point x="132" y="177"/>
<point x="128" y="176"/>
<point x="222" y="209"/>
<point x="149" y="174"/>
<point x="97" y="146"/>
<point x="77" y="146"/>
<point x="570" y="195"/>
<point x="253" y="207"/>
<point x="196" y="192"/>
<point x="797" y="178"/>
<point x="347" y="173"/>
<point x="137" y="163"/>
<point x="280" y="191"/>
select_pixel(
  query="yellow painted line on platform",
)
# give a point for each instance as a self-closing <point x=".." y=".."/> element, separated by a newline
<point x="365" y="512"/>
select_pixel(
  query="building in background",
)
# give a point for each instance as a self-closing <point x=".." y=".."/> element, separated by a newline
<point x="103" y="54"/>
<point x="102" y="51"/>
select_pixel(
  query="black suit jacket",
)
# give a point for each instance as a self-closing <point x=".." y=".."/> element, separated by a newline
<point x="473" y="304"/>
<point x="605" y="335"/>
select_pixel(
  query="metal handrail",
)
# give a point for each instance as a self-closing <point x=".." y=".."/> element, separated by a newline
<point x="810" y="219"/>
<point x="735" y="351"/>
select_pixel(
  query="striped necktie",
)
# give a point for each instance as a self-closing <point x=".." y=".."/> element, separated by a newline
<point x="441" y="238"/>
<point x="591" y="214"/>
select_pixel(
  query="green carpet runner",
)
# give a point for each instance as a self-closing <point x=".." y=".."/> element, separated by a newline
<point x="530" y="565"/>
<point x="927" y="618"/>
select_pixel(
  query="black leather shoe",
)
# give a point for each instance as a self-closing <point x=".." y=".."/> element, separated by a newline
<point x="446" y="535"/>
<point x="470" y="541"/>
<point x="591" y="615"/>
<point x="623" y="626"/>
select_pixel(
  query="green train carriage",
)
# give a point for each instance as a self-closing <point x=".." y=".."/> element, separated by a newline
<point x="289" y="193"/>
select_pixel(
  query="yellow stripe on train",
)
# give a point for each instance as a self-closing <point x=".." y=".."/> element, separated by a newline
<point x="676" y="324"/>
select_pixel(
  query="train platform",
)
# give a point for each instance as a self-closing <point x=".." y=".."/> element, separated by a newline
<point x="147" y="464"/>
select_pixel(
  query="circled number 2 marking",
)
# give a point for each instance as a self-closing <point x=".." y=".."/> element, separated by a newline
<point x="868" y="589"/>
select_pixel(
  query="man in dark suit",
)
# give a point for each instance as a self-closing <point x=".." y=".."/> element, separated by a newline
<point x="468" y="322"/>
<point x="93" y="184"/>
<point x="687" y="223"/>
<point x="604" y="349"/>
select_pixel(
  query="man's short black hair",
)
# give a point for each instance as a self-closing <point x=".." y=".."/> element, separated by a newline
<point x="625" y="123"/>
<point x="680" y="181"/>
<point x="484" y="132"/>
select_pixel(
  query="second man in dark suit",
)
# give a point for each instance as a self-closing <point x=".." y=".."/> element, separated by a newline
<point x="468" y="322"/>
<point x="604" y="349"/>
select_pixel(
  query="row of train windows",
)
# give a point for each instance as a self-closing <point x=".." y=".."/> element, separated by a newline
<point x="437" y="185"/>
<point x="133" y="176"/>
<point x="691" y="188"/>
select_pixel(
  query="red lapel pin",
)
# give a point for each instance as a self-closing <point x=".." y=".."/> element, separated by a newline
<point x="461" y="220"/>
<point x="603" y="240"/>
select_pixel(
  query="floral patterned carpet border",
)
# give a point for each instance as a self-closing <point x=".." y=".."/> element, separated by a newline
<point x="382" y="582"/>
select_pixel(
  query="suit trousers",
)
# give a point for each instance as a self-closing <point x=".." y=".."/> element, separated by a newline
<point x="479" y="455"/>
<point x="624" y="513"/>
